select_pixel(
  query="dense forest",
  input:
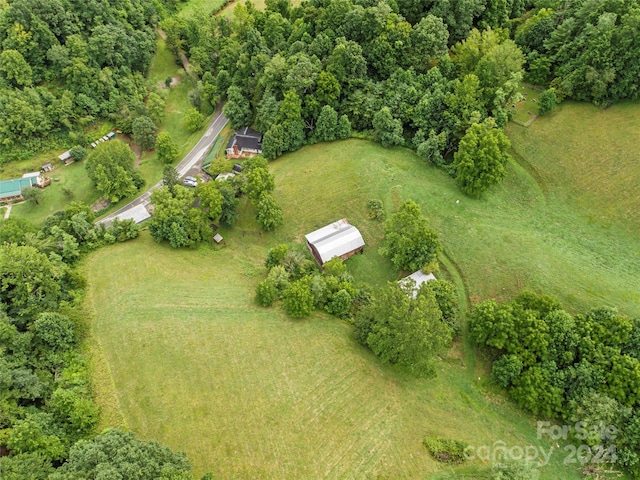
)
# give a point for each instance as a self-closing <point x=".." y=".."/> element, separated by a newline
<point x="66" y="63"/>
<point x="413" y="73"/>
<point x="578" y="368"/>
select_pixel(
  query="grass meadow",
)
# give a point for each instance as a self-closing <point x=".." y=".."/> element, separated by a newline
<point x="182" y="354"/>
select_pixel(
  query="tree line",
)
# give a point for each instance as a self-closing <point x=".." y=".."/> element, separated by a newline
<point x="66" y="63"/>
<point x="47" y="414"/>
<point x="576" y="368"/>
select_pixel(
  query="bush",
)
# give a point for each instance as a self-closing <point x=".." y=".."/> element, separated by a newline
<point x="279" y="277"/>
<point x="339" y="304"/>
<point x="266" y="293"/>
<point x="276" y="255"/>
<point x="376" y="210"/>
<point x="445" y="450"/>
<point x="506" y="369"/>
<point x="298" y="300"/>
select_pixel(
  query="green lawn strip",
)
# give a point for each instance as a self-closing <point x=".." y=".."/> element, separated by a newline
<point x="526" y="110"/>
<point x="246" y="392"/>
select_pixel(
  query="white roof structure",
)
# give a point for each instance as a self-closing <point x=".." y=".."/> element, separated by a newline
<point x="31" y="175"/>
<point x="225" y="176"/>
<point x="64" y="156"/>
<point x="335" y="240"/>
<point x="138" y="214"/>
<point x="419" y="278"/>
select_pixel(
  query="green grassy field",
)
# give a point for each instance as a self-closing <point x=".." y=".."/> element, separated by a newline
<point x="182" y="353"/>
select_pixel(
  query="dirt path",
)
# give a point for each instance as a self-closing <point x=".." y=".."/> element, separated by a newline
<point x="7" y="212"/>
<point x="183" y="57"/>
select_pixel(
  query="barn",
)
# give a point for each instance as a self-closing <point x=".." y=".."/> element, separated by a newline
<point x="338" y="239"/>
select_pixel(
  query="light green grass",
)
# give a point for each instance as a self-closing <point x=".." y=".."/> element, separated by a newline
<point x="227" y="11"/>
<point x="185" y="356"/>
<point x="73" y="177"/>
<point x="249" y="393"/>
<point x="200" y="8"/>
<point x="526" y="110"/>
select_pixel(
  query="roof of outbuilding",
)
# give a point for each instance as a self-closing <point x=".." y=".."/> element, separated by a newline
<point x="335" y="239"/>
<point x="418" y="278"/>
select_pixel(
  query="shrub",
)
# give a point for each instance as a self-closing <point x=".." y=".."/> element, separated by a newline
<point x="298" y="300"/>
<point x="506" y="369"/>
<point x="376" y="210"/>
<point x="266" y="293"/>
<point x="339" y="304"/>
<point x="445" y="450"/>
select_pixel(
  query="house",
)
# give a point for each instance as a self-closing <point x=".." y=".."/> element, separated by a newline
<point x="46" y="167"/>
<point x="244" y="143"/>
<point x="415" y="280"/>
<point x="11" y="190"/>
<point x="338" y="239"/>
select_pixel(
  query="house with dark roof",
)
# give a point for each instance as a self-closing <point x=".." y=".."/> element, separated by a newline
<point x="338" y="239"/>
<point x="244" y="143"/>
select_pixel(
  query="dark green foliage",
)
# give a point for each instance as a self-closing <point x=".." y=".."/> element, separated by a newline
<point x="298" y="300"/>
<point x="386" y="129"/>
<point x="32" y="466"/>
<point x="61" y="69"/>
<point x="404" y="331"/>
<point x="268" y="212"/>
<point x="115" y="454"/>
<point x="15" y="229"/>
<point x="237" y="109"/>
<point x="547" y="101"/>
<point x="144" y="132"/>
<point x="445" y="450"/>
<point x="339" y="304"/>
<point x="587" y="50"/>
<point x="327" y="125"/>
<point x="170" y="177"/>
<point x="78" y="152"/>
<point x="447" y="300"/>
<point x="506" y="369"/>
<point x="110" y="168"/>
<point x="575" y="368"/>
<point x="408" y="240"/>
<point x="175" y="218"/>
<point x="481" y="159"/>
<point x="228" y="213"/>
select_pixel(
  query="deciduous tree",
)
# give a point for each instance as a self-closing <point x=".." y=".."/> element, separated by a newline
<point x="481" y="158"/>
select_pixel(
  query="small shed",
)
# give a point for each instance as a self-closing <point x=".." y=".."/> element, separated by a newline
<point x="237" y="168"/>
<point x="111" y="135"/>
<point x="218" y="238"/>
<point x="66" y="158"/>
<point x="418" y="279"/>
<point x="46" y="167"/>
<point x="338" y="239"/>
<point x="225" y="176"/>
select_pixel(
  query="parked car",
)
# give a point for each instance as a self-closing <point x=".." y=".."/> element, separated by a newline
<point x="190" y="183"/>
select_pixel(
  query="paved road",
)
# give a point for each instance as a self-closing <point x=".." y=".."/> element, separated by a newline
<point x="196" y="153"/>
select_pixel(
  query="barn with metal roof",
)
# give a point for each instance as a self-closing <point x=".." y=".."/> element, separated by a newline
<point x="338" y="239"/>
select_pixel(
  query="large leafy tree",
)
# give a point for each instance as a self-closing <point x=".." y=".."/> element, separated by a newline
<point x="144" y="132"/>
<point x="110" y="167"/>
<point x="175" y="219"/>
<point x="481" y="159"/>
<point x="117" y="454"/>
<point x="237" y="109"/>
<point x="405" y="331"/>
<point x="408" y="240"/>
<point x="166" y="148"/>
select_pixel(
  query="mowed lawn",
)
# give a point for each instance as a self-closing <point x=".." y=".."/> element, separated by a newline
<point x="183" y="354"/>
<point x="187" y="358"/>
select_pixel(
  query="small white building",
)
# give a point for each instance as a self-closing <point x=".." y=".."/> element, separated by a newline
<point x="338" y="239"/>
<point x="415" y="280"/>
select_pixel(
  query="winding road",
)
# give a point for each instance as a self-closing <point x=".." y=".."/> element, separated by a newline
<point x="197" y="153"/>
